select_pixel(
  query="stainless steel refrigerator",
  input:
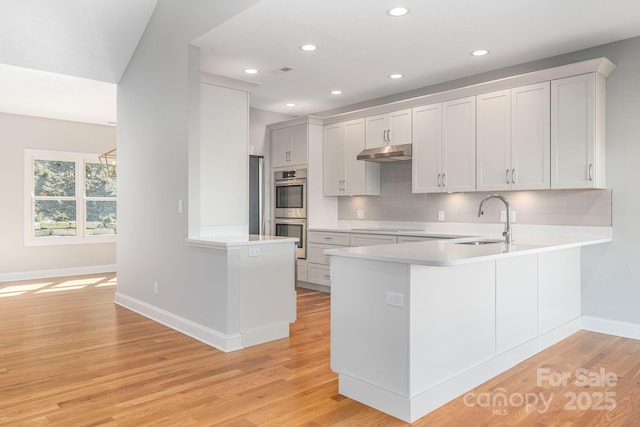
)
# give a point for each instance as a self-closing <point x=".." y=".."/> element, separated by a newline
<point x="256" y="194"/>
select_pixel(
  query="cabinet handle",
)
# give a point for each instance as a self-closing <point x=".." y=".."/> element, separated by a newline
<point x="439" y="182"/>
<point x="326" y="276"/>
<point x="514" y="177"/>
<point x="506" y="176"/>
<point x="444" y="179"/>
<point x="389" y="135"/>
<point x="328" y="238"/>
<point x="590" y="171"/>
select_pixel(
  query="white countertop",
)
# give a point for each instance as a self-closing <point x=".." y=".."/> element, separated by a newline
<point x="231" y="241"/>
<point x="448" y="252"/>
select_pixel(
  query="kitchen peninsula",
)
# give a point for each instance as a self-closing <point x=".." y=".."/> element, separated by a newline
<point x="414" y="325"/>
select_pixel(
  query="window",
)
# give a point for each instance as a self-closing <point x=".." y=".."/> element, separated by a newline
<point x="69" y="199"/>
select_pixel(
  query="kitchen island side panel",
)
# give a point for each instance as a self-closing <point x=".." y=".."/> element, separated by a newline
<point x="370" y="338"/>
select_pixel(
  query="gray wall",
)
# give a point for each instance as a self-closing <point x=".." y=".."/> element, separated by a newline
<point x="18" y="133"/>
<point x="153" y="135"/>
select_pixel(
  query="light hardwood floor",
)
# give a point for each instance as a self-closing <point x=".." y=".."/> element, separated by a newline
<point x="70" y="357"/>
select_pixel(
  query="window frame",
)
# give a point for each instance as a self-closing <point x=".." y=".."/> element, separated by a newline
<point x="80" y="198"/>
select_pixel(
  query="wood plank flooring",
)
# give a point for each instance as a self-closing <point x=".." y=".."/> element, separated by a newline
<point x="70" y="357"/>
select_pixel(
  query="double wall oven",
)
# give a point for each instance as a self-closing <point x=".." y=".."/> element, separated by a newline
<point x="290" y="206"/>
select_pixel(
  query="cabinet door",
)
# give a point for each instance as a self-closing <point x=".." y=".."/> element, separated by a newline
<point x="280" y="147"/>
<point x="558" y="288"/>
<point x="333" y="162"/>
<point x="399" y="127"/>
<point x="459" y="142"/>
<point x="573" y="132"/>
<point x="427" y="149"/>
<point x="299" y="142"/>
<point x="530" y="137"/>
<point x="376" y="127"/>
<point x="361" y="178"/>
<point x="516" y="301"/>
<point x="493" y="133"/>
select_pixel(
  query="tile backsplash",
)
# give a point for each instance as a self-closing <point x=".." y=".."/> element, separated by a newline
<point x="548" y="207"/>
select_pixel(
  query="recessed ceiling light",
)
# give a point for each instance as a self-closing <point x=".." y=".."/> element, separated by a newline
<point x="251" y="71"/>
<point x="396" y="76"/>
<point x="336" y="92"/>
<point x="308" y="47"/>
<point x="290" y="104"/>
<point x="479" y="52"/>
<point x="397" y="11"/>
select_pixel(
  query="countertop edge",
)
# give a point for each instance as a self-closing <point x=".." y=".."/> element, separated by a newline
<point x="230" y="242"/>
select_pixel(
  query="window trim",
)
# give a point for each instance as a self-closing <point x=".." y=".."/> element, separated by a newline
<point x="81" y="199"/>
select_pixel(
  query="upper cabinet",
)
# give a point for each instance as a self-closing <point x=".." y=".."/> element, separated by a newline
<point x="578" y="132"/>
<point x="344" y="175"/>
<point x="444" y="147"/>
<point x="513" y="139"/>
<point x="289" y="146"/>
<point x="388" y="129"/>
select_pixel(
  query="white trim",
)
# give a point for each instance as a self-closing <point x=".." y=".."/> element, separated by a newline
<point x="60" y="272"/>
<point x="227" y="82"/>
<point x="219" y="340"/>
<point x="411" y="408"/>
<point x="611" y="327"/>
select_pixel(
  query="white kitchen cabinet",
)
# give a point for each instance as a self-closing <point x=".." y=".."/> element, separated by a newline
<point x="516" y="301"/>
<point x="558" y="288"/>
<point x="289" y="146"/>
<point x="388" y="129"/>
<point x="513" y="139"/>
<point x="444" y="147"/>
<point x="578" y="132"/>
<point x="344" y="175"/>
<point x="357" y="239"/>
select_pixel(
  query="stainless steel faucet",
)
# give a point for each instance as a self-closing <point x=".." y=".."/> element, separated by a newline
<point x="507" y="227"/>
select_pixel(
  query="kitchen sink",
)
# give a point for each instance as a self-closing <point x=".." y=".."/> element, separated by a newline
<point x="480" y="242"/>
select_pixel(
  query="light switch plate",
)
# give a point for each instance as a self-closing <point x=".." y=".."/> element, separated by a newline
<point x="360" y="214"/>
<point x="440" y="216"/>
<point x="254" y="251"/>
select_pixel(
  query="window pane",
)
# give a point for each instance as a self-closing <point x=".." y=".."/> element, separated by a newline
<point x="54" y="178"/>
<point x="55" y="218"/>
<point x="97" y="184"/>
<point x="101" y="218"/>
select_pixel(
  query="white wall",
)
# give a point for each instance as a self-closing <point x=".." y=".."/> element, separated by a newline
<point x="258" y="132"/>
<point x="153" y="135"/>
<point x="17" y="132"/>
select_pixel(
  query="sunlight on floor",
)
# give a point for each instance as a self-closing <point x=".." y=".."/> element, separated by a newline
<point x="27" y="287"/>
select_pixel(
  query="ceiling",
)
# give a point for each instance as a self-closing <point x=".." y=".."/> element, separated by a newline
<point x="63" y="58"/>
<point x="359" y="45"/>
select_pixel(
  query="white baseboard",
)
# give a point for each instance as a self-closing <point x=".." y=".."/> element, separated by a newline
<point x="60" y="272"/>
<point x="219" y="340"/>
<point x="611" y="327"/>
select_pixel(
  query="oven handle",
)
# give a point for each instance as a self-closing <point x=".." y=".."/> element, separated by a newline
<point x="290" y="182"/>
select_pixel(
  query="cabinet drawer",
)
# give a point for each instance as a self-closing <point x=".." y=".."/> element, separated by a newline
<point x="318" y="273"/>
<point x="371" y="239"/>
<point x="340" y="239"/>
<point x="315" y="252"/>
<point x="409" y="239"/>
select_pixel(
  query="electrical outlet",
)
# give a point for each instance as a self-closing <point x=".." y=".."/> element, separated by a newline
<point x="155" y="288"/>
<point x="360" y="214"/>
<point x="180" y="207"/>
<point x="513" y="216"/>
<point x="395" y="299"/>
<point x="440" y="216"/>
<point x="254" y="251"/>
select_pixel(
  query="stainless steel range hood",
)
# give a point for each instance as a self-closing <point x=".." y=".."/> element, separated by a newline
<point x="388" y="153"/>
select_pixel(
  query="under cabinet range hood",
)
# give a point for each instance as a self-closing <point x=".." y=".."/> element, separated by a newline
<point x="388" y="153"/>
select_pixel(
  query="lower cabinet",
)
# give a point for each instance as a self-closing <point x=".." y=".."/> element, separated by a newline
<point x="558" y="288"/>
<point x="516" y="301"/>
